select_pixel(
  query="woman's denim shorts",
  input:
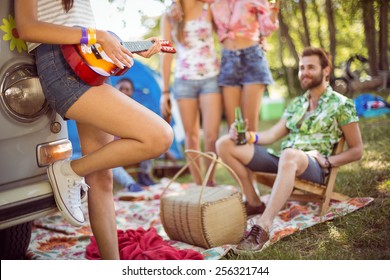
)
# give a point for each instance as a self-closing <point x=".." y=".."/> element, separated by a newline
<point x="194" y="88"/>
<point x="61" y="86"/>
<point x="262" y="161"/>
<point x="245" y="66"/>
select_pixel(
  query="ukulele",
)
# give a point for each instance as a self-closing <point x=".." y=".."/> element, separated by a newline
<point x="92" y="65"/>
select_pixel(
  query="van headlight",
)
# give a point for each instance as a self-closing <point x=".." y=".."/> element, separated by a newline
<point x="53" y="151"/>
<point x="22" y="94"/>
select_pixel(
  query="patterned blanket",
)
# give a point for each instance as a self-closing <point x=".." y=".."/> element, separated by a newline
<point x="53" y="238"/>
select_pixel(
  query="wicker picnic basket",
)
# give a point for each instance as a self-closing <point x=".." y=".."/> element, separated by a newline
<point x="204" y="216"/>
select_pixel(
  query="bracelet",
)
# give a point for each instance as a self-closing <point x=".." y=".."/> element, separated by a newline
<point x="256" y="138"/>
<point x="91" y="36"/>
<point x="84" y="37"/>
<point x="166" y="92"/>
<point x="251" y="137"/>
<point x="328" y="163"/>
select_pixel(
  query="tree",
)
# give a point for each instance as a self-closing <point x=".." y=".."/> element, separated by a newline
<point x="302" y="6"/>
<point x="318" y="17"/>
<point x="285" y="36"/>
<point x="332" y="30"/>
<point x="383" y="35"/>
<point x="370" y="34"/>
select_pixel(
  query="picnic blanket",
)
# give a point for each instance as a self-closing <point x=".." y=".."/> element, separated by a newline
<point x="138" y="213"/>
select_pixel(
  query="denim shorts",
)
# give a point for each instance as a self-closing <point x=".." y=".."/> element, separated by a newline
<point x="194" y="88"/>
<point x="263" y="161"/>
<point x="61" y="86"/>
<point x="245" y="66"/>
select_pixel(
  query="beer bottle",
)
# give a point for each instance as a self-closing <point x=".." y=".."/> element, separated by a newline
<point x="240" y="127"/>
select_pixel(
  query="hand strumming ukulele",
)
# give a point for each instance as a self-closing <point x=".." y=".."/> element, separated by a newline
<point x="93" y="66"/>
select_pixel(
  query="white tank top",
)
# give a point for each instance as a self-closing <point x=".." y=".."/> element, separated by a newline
<point x="52" y="11"/>
<point x="196" y="59"/>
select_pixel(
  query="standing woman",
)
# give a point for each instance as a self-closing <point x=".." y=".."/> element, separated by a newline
<point x="196" y="70"/>
<point x="244" y="67"/>
<point x="45" y="24"/>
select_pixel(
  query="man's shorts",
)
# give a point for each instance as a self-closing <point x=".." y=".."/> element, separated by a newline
<point x="262" y="161"/>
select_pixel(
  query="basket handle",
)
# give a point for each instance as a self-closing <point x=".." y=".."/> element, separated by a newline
<point x="189" y="162"/>
<point x="214" y="159"/>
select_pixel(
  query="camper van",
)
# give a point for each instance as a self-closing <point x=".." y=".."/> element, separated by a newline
<point x="32" y="136"/>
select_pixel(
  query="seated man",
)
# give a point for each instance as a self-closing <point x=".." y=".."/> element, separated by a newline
<point x="313" y="123"/>
<point x="123" y="178"/>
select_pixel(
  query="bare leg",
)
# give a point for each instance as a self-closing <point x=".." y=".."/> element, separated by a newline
<point x="99" y="112"/>
<point x="102" y="214"/>
<point x="231" y="99"/>
<point x="252" y="95"/>
<point x="236" y="157"/>
<point x="291" y="164"/>
<point x="251" y="102"/>
<point x="189" y="112"/>
<point x="211" y="109"/>
<point x="143" y="134"/>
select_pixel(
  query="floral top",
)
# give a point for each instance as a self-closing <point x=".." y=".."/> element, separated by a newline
<point x="196" y="59"/>
<point x="321" y="129"/>
<point x="243" y="18"/>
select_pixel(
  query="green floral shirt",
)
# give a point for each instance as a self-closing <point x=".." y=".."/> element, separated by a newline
<point x="322" y="129"/>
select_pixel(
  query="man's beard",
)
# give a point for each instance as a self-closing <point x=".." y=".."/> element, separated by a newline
<point x="315" y="82"/>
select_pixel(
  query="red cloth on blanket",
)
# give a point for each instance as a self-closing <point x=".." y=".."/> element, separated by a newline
<point x="143" y="244"/>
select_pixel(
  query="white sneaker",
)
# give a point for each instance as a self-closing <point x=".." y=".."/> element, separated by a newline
<point x="66" y="191"/>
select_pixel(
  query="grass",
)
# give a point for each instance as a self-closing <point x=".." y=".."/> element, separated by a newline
<point x="364" y="234"/>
